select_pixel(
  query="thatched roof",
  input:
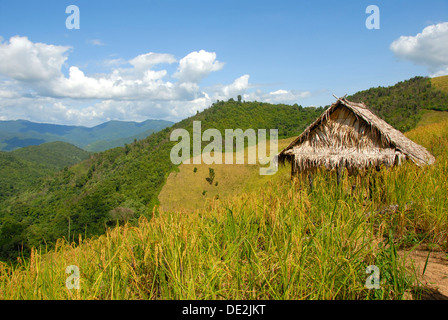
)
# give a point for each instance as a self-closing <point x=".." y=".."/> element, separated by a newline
<point x="348" y="134"/>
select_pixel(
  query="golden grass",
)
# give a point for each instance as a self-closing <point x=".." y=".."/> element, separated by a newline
<point x="440" y="83"/>
<point x="432" y="116"/>
<point x="278" y="243"/>
<point x="184" y="188"/>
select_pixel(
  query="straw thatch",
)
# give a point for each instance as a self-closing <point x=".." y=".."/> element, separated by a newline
<point x="349" y="135"/>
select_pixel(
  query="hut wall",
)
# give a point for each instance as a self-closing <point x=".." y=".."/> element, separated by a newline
<point x="344" y="140"/>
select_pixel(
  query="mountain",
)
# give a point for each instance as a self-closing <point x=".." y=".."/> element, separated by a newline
<point x="126" y="182"/>
<point x="20" y="133"/>
<point x="21" y="168"/>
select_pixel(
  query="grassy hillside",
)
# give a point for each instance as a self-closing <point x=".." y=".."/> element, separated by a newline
<point x="283" y="241"/>
<point x="432" y="116"/>
<point x="403" y="104"/>
<point x="187" y="188"/>
<point x="82" y="199"/>
<point x="440" y="83"/>
<point x="21" y="168"/>
<point x="21" y="133"/>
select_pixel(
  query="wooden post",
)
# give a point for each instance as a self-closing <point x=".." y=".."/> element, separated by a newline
<point x="338" y="175"/>
<point x="310" y="179"/>
<point x="292" y="167"/>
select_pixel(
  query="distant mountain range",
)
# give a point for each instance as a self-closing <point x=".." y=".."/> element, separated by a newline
<point x="16" y="134"/>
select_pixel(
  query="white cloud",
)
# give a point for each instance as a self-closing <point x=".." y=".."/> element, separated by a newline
<point x="238" y="87"/>
<point x="197" y="65"/>
<point x="8" y="94"/>
<point x="428" y="48"/>
<point x="24" y="60"/>
<point x="34" y="87"/>
<point x="279" y="96"/>
<point x="148" y="60"/>
<point x="241" y="86"/>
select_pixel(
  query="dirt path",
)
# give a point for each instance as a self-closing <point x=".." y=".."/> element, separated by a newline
<point x="435" y="278"/>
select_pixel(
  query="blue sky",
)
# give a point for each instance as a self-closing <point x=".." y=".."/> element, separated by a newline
<point x="133" y="60"/>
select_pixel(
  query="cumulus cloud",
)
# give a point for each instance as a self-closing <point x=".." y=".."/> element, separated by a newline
<point x="197" y="65"/>
<point x="238" y="87"/>
<point x="428" y="48"/>
<point x="24" y="60"/>
<point x="33" y="86"/>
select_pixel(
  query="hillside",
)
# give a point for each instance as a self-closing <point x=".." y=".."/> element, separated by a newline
<point x="282" y="241"/>
<point x="126" y="182"/>
<point x="21" y="168"/>
<point x="55" y="155"/>
<point x="440" y="83"/>
<point x="188" y="189"/>
<point x="21" y="133"/>
<point x="81" y="199"/>
<point x="404" y="104"/>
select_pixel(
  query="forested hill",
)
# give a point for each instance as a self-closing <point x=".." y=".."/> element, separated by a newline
<point x="403" y="104"/>
<point x="87" y="197"/>
<point x="21" y="168"/>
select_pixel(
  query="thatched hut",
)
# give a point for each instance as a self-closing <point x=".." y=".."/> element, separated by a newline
<point x="349" y="135"/>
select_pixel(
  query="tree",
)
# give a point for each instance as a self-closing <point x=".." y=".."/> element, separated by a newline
<point x="211" y="175"/>
<point x="121" y="214"/>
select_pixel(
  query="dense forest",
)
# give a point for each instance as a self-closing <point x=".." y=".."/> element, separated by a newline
<point x="123" y="183"/>
<point x="22" y="168"/>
